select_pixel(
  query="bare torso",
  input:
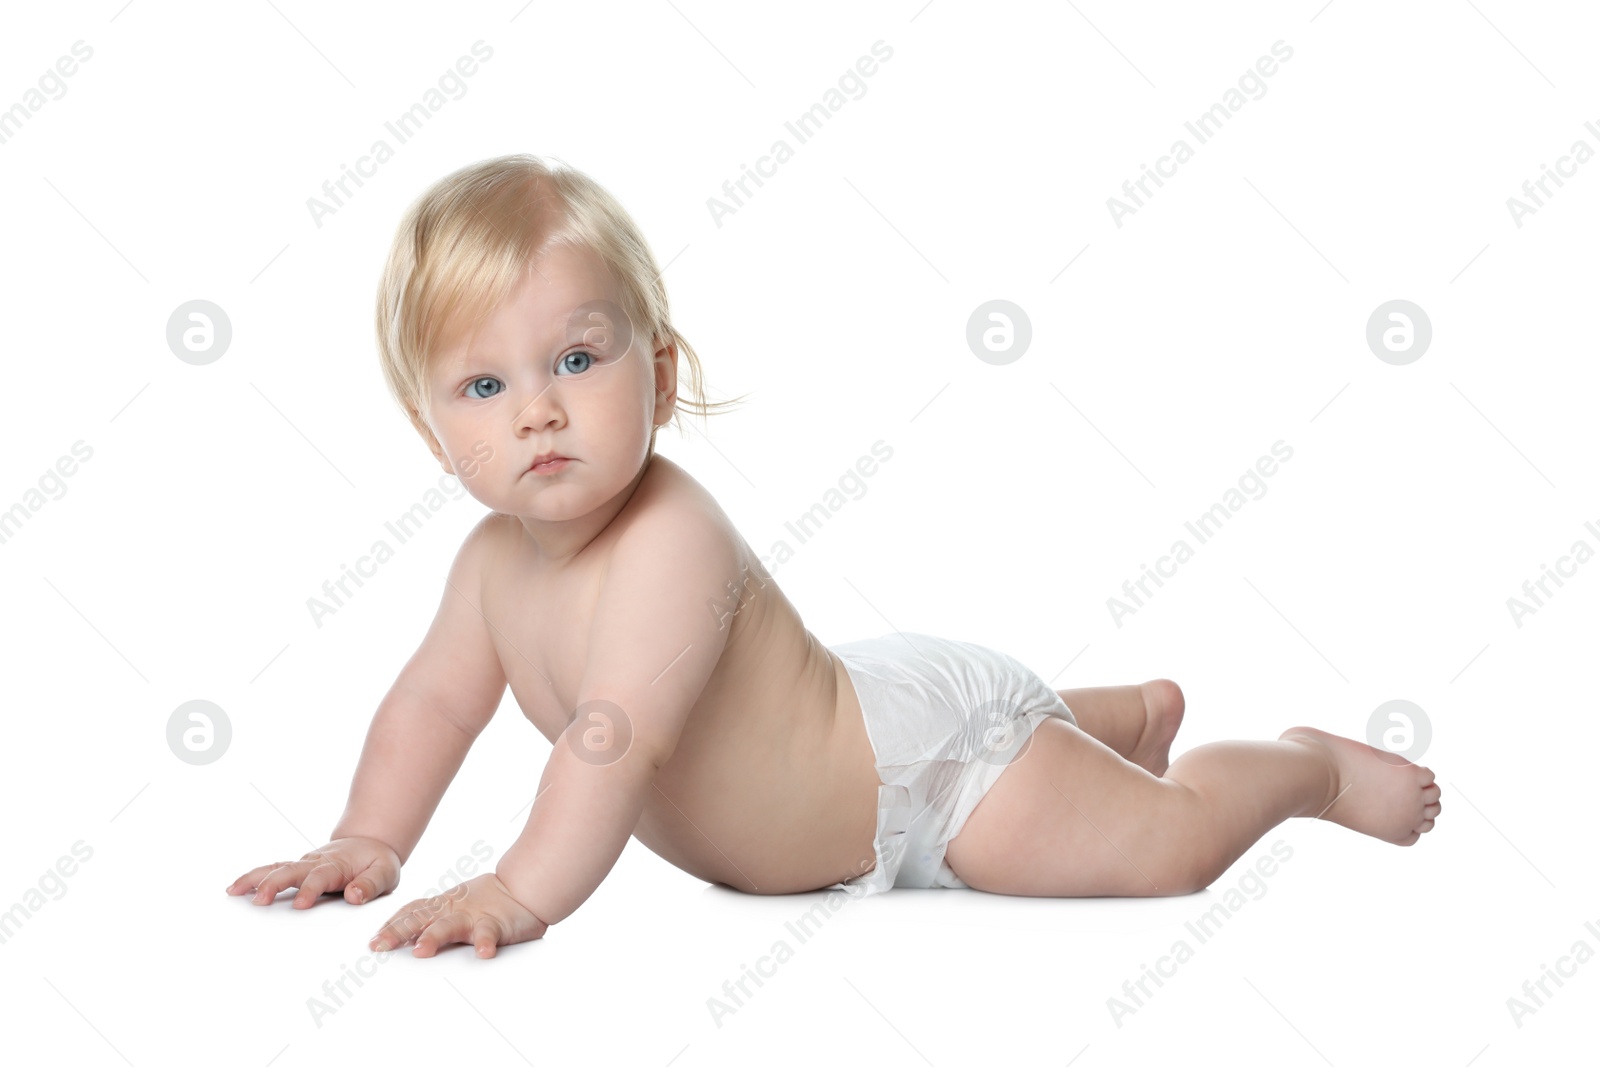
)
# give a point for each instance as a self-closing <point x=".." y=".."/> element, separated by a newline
<point x="772" y="786"/>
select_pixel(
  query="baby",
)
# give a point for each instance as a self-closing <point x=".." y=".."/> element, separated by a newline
<point x="524" y="329"/>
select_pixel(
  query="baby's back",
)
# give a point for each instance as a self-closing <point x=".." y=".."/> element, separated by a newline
<point x="771" y="787"/>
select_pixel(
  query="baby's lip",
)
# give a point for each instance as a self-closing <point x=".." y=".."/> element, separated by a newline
<point x="546" y="458"/>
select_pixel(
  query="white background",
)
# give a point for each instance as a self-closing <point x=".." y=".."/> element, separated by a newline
<point x="1227" y="314"/>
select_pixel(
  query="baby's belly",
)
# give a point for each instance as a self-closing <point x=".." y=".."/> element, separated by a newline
<point x="767" y="799"/>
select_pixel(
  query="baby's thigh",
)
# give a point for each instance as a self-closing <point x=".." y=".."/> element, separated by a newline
<point x="1070" y="818"/>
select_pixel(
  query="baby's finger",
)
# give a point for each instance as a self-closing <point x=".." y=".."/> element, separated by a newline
<point x="280" y="878"/>
<point x="248" y="881"/>
<point x="252" y="882"/>
<point x="402" y="926"/>
<point x="486" y="936"/>
<point x="372" y="883"/>
<point x="455" y="926"/>
<point x="320" y="879"/>
<point x="360" y="890"/>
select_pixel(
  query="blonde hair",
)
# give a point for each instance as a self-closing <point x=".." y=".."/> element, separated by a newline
<point x="468" y="241"/>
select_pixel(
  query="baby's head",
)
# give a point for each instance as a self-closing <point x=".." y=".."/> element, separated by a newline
<point x="521" y="312"/>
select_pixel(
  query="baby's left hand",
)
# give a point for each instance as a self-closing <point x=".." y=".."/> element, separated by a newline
<point x="480" y="911"/>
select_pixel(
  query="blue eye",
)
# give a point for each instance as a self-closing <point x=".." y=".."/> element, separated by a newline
<point x="477" y="381"/>
<point x="580" y="352"/>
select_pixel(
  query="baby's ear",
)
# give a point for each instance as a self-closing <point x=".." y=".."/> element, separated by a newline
<point x="666" y="371"/>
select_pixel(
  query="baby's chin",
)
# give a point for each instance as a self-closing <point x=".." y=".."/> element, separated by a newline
<point x="542" y="503"/>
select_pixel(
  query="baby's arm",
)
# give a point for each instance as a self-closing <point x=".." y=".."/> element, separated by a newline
<point x="442" y="699"/>
<point x="659" y="629"/>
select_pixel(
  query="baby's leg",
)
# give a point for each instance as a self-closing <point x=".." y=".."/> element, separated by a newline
<point x="1071" y="818"/>
<point x="1137" y="722"/>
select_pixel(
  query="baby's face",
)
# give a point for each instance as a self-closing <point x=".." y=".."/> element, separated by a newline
<point x="556" y="368"/>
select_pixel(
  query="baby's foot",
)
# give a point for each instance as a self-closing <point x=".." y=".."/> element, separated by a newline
<point x="1374" y="791"/>
<point x="1163" y="711"/>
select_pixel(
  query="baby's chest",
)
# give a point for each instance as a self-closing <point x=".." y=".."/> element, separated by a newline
<point x="542" y="639"/>
<point x="543" y="671"/>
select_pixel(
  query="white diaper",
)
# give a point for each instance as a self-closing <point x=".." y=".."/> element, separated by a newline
<point x="945" y="718"/>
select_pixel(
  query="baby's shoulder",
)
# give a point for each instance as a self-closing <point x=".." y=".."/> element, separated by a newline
<point x="488" y="534"/>
<point x="669" y="498"/>
<point x="675" y="522"/>
<point x="481" y="550"/>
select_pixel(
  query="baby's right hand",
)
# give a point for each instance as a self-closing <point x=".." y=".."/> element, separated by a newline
<point x="364" y="867"/>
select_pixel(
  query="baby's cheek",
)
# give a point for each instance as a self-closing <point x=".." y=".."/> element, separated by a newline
<point x="477" y="490"/>
<point x="473" y="462"/>
<point x="481" y="487"/>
